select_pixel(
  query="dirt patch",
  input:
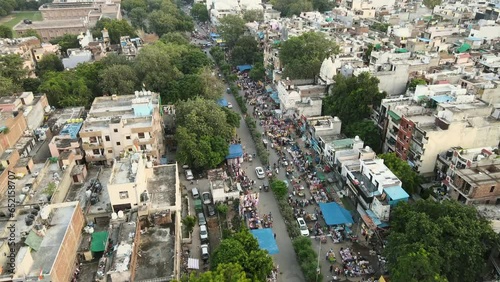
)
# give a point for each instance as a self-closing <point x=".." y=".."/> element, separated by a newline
<point x="6" y="19"/>
<point x="214" y="232"/>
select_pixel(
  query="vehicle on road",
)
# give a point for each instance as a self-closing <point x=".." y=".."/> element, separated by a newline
<point x="201" y="219"/>
<point x="207" y="198"/>
<point x="304" y="231"/>
<point x="195" y="193"/>
<point x="189" y="174"/>
<point x="229" y="105"/>
<point x="204" y="252"/>
<point x="203" y="233"/>
<point x="198" y="207"/>
<point x="266" y="186"/>
<point x="211" y="210"/>
<point x="259" y="171"/>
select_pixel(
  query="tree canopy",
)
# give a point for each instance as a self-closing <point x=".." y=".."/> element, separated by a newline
<point x="119" y="80"/>
<point x="367" y="131"/>
<point x="289" y="8"/>
<point x="225" y="272"/>
<point x="49" y="62"/>
<point x="231" y="28"/>
<point x="203" y="133"/>
<point x="431" y="4"/>
<point x="253" y="16"/>
<point x="303" y="55"/>
<point x="409" y="178"/>
<point x="200" y="12"/>
<point x="246" y="51"/>
<point x="66" y="42"/>
<point x="431" y="241"/>
<point x="116" y="29"/>
<point x="6" y="32"/>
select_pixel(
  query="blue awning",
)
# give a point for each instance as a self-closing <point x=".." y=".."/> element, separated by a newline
<point x="275" y="98"/>
<point x="235" y="151"/>
<point x="424" y="39"/>
<point x="442" y="98"/>
<point x="376" y="220"/>
<point x="335" y="214"/>
<point x="242" y="68"/>
<point x="222" y="102"/>
<point x="265" y="237"/>
<point x="396" y="193"/>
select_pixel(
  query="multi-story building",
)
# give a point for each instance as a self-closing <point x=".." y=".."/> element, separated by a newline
<point x="418" y="130"/>
<point x="306" y="100"/>
<point x="69" y="17"/>
<point x="32" y="107"/>
<point x="23" y="47"/>
<point x="116" y="125"/>
<point x="321" y="131"/>
<point x="68" y="140"/>
<point x="367" y="9"/>
<point x="51" y="244"/>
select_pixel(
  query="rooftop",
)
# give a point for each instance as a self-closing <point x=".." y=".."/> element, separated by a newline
<point x="344" y="143"/>
<point x="71" y="130"/>
<point x="43" y="259"/>
<point x="124" y="249"/>
<point x="162" y="185"/>
<point x="396" y="193"/>
<point x="46" y="24"/>
<point x="61" y="116"/>
<point x="125" y="170"/>
<point x="481" y="175"/>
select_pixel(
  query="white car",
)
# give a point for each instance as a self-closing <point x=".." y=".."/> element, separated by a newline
<point x="189" y="174"/>
<point x="304" y="231"/>
<point x="204" y="252"/>
<point x="260" y="172"/>
<point x="203" y="233"/>
<point x="229" y="105"/>
<point x="207" y="198"/>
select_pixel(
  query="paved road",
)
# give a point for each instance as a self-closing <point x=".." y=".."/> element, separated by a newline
<point x="286" y="259"/>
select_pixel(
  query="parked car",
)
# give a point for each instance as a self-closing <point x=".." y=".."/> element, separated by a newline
<point x="195" y="193"/>
<point x="201" y="219"/>
<point x="189" y="174"/>
<point x="260" y="172"/>
<point x="204" y="252"/>
<point x="207" y="198"/>
<point x="203" y="233"/>
<point x="211" y="210"/>
<point x="229" y="105"/>
<point x="304" y="231"/>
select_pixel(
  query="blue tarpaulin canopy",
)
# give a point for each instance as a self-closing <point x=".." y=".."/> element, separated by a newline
<point x="222" y="102"/>
<point x="266" y="240"/>
<point x="335" y="214"/>
<point x="214" y="35"/>
<point x="244" y="68"/>
<point x="235" y="151"/>
<point x="275" y="97"/>
<point x="442" y="98"/>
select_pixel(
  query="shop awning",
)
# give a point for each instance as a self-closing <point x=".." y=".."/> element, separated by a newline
<point x="235" y="151"/>
<point x="321" y="176"/>
<point x="265" y="237"/>
<point x="401" y="50"/>
<point x="98" y="243"/>
<point x="394" y="116"/>
<point x="242" y="68"/>
<point x="335" y="214"/>
<point x="464" y="48"/>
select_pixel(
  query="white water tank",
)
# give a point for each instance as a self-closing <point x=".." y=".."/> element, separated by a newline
<point x="114" y="216"/>
<point x="22" y="197"/>
<point x="88" y="193"/>
<point x="368" y="149"/>
<point x="336" y="119"/>
<point x="149" y="164"/>
<point x="356" y="138"/>
<point x="120" y="214"/>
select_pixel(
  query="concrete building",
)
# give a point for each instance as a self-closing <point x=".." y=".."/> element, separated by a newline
<point x="135" y="182"/>
<point x="75" y="57"/>
<point x="52" y="243"/>
<point x="32" y="107"/>
<point x="124" y="261"/>
<point x="68" y="140"/>
<point x="70" y="17"/>
<point x="321" y="130"/>
<point x="367" y="9"/>
<point x="23" y="47"/>
<point x="116" y="125"/>
<point x="303" y="100"/>
<point x="486" y="30"/>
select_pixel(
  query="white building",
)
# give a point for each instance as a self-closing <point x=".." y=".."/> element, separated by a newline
<point x="304" y="100"/>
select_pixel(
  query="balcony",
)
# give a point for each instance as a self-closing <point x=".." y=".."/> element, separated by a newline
<point x="91" y="146"/>
<point x="95" y="158"/>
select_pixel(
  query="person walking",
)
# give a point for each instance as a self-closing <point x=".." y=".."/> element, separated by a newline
<point x="274" y="236"/>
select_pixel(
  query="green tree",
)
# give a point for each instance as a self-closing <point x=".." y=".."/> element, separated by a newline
<point x="416" y="81"/>
<point x="307" y="258"/>
<point x="231" y="28"/>
<point x="279" y="188"/>
<point x="187" y="87"/>
<point x="431" y="4"/>
<point x="217" y="54"/>
<point x="66" y="42"/>
<point x="225" y="272"/>
<point x="48" y="63"/>
<point x="116" y="29"/>
<point x="30" y="84"/>
<point x="11" y="66"/>
<point x="229" y="251"/>
<point x="200" y="12"/>
<point x="161" y="22"/>
<point x="202" y="133"/>
<point x="138" y="16"/>
<point x="258" y="72"/>
<point x="212" y="85"/>
<point x="352" y="98"/>
<point x="193" y="60"/>
<point x="6" y="32"/>
<point x="129" y="5"/>
<point x="65" y="89"/>
<point x="259" y="264"/>
<point x="409" y="178"/>
<point x="247" y="240"/>
<point x="7" y="86"/>
<point x="232" y="117"/>
<point x="7" y="7"/>
<point x="431" y="241"/>
<point x="367" y="131"/>
<point x="253" y="16"/>
<point x="222" y="209"/>
<point x="245" y="51"/>
<point x="303" y="55"/>
<point x="90" y="73"/>
<point x="322" y="5"/>
<point x="118" y="79"/>
<point x="289" y="8"/>
<point x="175" y="38"/>
<point x="32" y="32"/>
<point x="189" y="222"/>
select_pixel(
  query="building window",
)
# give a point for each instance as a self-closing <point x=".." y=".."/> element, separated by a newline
<point x="141" y="135"/>
<point x="110" y="151"/>
<point x="492" y="189"/>
<point x="106" y="137"/>
<point x="130" y="149"/>
<point x="93" y="139"/>
<point x="115" y="130"/>
<point x="127" y="137"/>
<point x="123" y="195"/>
<point x="96" y="152"/>
<point x="143" y="147"/>
<point x="118" y="143"/>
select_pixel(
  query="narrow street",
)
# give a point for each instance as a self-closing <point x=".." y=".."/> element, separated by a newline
<point x="289" y="267"/>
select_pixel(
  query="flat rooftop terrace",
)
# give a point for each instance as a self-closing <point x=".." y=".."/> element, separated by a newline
<point x="162" y="185"/>
<point x="47" y="24"/>
<point x="125" y="170"/>
<point x="51" y="243"/>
